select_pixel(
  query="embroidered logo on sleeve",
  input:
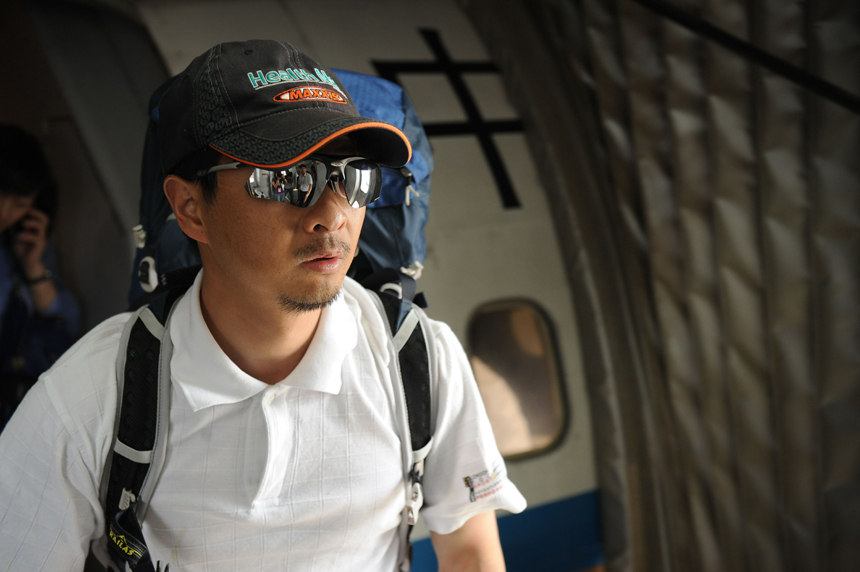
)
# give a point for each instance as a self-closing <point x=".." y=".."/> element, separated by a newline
<point x="483" y="484"/>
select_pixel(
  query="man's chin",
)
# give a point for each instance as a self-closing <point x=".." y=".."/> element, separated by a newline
<point x="299" y="302"/>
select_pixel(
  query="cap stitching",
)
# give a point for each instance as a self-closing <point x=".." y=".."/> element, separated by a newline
<point x="227" y="96"/>
<point x="361" y="120"/>
<point x="288" y="146"/>
<point x="274" y="113"/>
<point x="303" y="153"/>
<point x="194" y="132"/>
<point x="292" y="50"/>
<point x="198" y="136"/>
<point x="212" y="100"/>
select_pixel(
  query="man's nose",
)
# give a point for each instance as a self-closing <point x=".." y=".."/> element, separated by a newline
<point x="327" y="214"/>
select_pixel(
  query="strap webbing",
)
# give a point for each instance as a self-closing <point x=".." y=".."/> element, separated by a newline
<point x="140" y="430"/>
<point x="126" y="541"/>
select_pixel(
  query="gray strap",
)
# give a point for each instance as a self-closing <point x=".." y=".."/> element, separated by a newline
<point x="142" y="457"/>
<point x="159" y="449"/>
<point x="406" y="329"/>
<point x="151" y="322"/>
<point x="421" y="454"/>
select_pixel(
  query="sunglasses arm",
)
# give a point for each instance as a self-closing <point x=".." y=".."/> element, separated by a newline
<point x="216" y="168"/>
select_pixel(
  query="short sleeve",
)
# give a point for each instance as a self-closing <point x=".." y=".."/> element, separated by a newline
<point x="53" y="451"/>
<point x="464" y="474"/>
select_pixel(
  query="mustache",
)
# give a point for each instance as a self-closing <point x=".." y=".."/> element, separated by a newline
<point x="327" y="242"/>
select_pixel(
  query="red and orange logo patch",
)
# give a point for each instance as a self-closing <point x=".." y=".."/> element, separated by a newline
<point x="310" y="93"/>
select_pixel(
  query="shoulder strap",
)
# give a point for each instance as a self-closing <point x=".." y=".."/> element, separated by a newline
<point x="408" y="328"/>
<point x="140" y="430"/>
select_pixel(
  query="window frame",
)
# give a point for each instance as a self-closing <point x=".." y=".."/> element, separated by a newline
<point x="555" y="368"/>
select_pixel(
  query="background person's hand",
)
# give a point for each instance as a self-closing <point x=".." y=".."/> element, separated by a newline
<point x="31" y="241"/>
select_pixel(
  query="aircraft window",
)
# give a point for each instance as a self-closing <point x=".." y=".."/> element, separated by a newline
<point x="514" y="356"/>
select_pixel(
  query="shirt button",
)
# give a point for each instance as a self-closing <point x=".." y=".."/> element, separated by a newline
<point x="270" y="398"/>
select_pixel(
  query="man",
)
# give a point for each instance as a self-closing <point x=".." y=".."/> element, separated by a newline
<point x="283" y="450"/>
<point x="38" y="315"/>
<point x="305" y="182"/>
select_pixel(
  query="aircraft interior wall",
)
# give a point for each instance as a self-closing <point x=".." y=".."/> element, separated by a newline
<point x="709" y="154"/>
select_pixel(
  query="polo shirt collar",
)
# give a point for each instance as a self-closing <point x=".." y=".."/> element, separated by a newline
<point x="208" y="377"/>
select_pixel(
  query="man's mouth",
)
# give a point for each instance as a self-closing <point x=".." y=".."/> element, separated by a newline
<point x="327" y="255"/>
<point x="324" y="262"/>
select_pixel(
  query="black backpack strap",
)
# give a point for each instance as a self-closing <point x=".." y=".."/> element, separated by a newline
<point x="396" y="291"/>
<point x="140" y="430"/>
<point x="406" y="323"/>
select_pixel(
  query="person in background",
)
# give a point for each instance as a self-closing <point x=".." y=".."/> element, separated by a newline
<point x="39" y="317"/>
<point x="305" y="182"/>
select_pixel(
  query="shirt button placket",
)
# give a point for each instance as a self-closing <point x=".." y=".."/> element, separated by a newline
<point x="278" y="450"/>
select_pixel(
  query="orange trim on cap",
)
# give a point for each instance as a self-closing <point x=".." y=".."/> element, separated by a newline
<point x="325" y="141"/>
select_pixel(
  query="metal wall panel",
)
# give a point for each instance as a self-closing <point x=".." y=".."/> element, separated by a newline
<point x="727" y="267"/>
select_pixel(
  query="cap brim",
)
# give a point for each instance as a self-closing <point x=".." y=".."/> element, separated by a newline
<point x="280" y="140"/>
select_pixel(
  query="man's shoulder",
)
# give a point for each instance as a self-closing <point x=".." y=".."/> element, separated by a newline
<point x="104" y="337"/>
<point x="90" y="364"/>
<point x="80" y="389"/>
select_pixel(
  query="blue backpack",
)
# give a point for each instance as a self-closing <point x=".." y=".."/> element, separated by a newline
<point x="393" y="232"/>
<point x="388" y="263"/>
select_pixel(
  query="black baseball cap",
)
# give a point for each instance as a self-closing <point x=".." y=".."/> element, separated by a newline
<point x="267" y="104"/>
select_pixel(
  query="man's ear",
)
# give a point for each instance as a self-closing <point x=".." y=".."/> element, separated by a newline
<point x="186" y="198"/>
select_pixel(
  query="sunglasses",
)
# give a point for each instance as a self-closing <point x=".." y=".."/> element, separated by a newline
<point x="356" y="179"/>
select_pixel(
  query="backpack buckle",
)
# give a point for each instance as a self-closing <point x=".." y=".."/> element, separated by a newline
<point x="416" y="501"/>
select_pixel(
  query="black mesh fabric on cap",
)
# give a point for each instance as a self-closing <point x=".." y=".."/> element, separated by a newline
<point x="256" y="150"/>
<point x="212" y="114"/>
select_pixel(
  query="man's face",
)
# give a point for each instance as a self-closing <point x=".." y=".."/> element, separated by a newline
<point x="303" y="169"/>
<point x="299" y="256"/>
<point x="13" y="208"/>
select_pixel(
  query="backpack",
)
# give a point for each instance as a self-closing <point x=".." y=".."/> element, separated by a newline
<point x="393" y="232"/>
<point x="388" y="263"/>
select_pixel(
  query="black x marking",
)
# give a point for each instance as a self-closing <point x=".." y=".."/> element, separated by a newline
<point x="474" y="124"/>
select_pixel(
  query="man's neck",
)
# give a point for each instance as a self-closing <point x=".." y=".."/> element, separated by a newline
<point x="265" y="341"/>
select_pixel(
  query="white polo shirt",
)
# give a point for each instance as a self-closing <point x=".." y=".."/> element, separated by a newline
<point x="305" y="474"/>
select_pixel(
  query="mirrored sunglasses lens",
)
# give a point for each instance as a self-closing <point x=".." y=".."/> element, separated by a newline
<point x="300" y="185"/>
<point x="258" y="184"/>
<point x="362" y="182"/>
<point x="289" y="185"/>
<point x="303" y="188"/>
<point x="265" y="184"/>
